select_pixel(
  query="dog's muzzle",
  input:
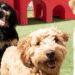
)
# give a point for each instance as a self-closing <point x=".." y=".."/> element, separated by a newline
<point x="2" y="18"/>
<point x="52" y="62"/>
<point x="50" y="54"/>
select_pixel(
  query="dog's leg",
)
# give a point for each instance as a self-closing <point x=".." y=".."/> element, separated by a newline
<point x="14" y="42"/>
<point x="4" y="70"/>
<point x="3" y="46"/>
<point x="74" y="50"/>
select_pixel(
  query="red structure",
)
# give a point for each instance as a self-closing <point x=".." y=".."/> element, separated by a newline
<point x="53" y="8"/>
<point x="49" y="8"/>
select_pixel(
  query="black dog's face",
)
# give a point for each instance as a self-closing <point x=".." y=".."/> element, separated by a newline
<point x="8" y="17"/>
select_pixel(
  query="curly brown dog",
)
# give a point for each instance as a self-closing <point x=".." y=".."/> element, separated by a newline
<point x="41" y="53"/>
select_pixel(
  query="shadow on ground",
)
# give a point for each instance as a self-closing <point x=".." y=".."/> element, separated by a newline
<point x="32" y="21"/>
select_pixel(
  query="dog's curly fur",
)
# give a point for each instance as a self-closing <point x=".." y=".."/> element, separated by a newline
<point x="41" y="53"/>
<point x="72" y="5"/>
<point x="8" y="21"/>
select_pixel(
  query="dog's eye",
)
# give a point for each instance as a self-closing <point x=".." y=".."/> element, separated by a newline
<point x="56" y="40"/>
<point x="38" y="43"/>
<point x="5" y="8"/>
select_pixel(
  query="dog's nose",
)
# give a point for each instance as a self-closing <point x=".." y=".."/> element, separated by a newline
<point x="1" y="14"/>
<point x="50" y="53"/>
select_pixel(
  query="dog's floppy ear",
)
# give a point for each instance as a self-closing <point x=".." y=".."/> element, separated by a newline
<point x="24" y="46"/>
<point x="65" y="36"/>
<point x="13" y="17"/>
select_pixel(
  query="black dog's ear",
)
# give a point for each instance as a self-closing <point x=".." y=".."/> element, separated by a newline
<point x="13" y="20"/>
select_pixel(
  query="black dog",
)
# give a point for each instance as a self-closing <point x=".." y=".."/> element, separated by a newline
<point x="8" y="21"/>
